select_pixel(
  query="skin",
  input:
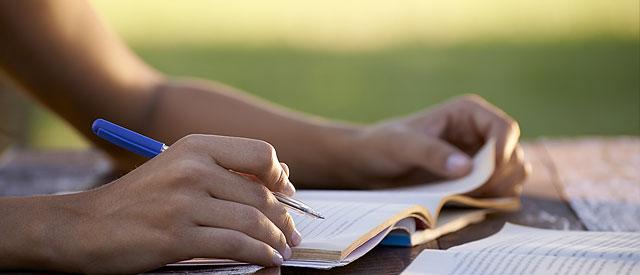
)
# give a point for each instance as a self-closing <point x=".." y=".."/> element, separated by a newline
<point x="177" y="206"/>
<point x="181" y="204"/>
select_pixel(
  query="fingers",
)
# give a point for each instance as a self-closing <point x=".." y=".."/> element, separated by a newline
<point x="432" y="154"/>
<point x="228" y="178"/>
<point x="243" y="155"/>
<point x="222" y="243"/>
<point x="285" y="167"/>
<point x="506" y="135"/>
<point x="507" y="182"/>
<point x="493" y="123"/>
<point x="242" y="218"/>
<point x="230" y="186"/>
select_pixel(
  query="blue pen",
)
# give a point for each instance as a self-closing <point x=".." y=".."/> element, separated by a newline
<point x="148" y="147"/>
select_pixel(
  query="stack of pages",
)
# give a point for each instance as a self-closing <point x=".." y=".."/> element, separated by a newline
<point x="357" y="221"/>
<point x="525" y="250"/>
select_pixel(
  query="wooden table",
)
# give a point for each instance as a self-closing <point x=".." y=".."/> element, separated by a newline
<point x="544" y="203"/>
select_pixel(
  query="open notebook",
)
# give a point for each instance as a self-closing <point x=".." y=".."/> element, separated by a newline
<point x="525" y="250"/>
<point x="356" y="221"/>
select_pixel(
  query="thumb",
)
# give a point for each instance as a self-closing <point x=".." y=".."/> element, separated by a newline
<point x="435" y="155"/>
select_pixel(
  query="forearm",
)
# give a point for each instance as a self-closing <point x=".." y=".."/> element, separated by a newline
<point x="64" y="56"/>
<point x="34" y="233"/>
<point x="313" y="147"/>
<point x="83" y="77"/>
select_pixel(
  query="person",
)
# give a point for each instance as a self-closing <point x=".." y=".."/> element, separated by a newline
<point x="208" y="194"/>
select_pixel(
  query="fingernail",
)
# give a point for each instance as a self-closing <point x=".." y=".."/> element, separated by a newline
<point x="277" y="258"/>
<point x="457" y="161"/>
<point x="287" y="252"/>
<point x="296" y="238"/>
<point x="289" y="189"/>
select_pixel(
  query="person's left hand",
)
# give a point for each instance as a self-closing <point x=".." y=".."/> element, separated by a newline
<point x="437" y="143"/>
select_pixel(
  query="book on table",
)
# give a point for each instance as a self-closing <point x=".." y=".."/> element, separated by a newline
<point x="356" y="221"/>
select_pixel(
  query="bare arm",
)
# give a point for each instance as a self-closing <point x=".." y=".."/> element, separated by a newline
<point x="314" y="148"/>
<point x="63" y="54"/>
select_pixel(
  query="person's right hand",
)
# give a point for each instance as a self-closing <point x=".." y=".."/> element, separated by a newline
<point x="190" y="201"/>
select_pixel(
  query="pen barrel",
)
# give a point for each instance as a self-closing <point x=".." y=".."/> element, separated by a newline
<point x="127" y="139"/>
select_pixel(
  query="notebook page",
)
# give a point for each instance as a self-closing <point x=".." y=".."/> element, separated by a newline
<point x="428" y="201"/>
<point x="356" y="254"/>
<point x="345" y="222"/>
<point x="523" y="250"/>
<point x="483" y="165"/>
<point x="428" y="195"/>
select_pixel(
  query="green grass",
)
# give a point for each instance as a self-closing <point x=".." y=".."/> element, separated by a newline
<point x="570" y="88"/>
<point x="364" y="24"/>
<point x="574" y="71"/>
<point x="588" y="87"/>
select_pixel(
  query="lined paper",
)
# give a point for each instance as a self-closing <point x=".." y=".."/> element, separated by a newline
<point x="524" y="250"/>
<point x="428" y="195"/>
<point x="345" y="222"/>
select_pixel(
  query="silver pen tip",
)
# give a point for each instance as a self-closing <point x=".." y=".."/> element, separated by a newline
<point x="317" y="215"/>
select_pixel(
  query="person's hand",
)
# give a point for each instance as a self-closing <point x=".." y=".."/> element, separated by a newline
<point x="437" y="143"/>
<point x="190" y="201"/>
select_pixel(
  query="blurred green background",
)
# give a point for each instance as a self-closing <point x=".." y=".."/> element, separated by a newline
<point x="562" y="68"/>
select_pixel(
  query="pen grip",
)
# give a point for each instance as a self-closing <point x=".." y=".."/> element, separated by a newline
<point x="127" y="139"/>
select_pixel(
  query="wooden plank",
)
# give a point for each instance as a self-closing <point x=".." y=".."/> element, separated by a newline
<point x="600" y="178"/>
<point x="25" y="173"/>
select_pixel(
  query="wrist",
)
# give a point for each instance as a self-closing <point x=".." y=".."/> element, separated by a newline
<point x="38" y="233"/>
<point x="342" y="148"/>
